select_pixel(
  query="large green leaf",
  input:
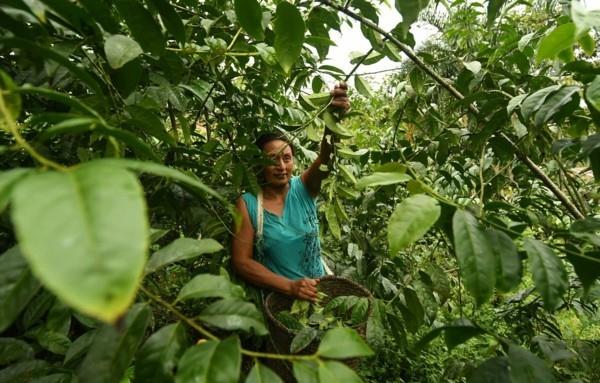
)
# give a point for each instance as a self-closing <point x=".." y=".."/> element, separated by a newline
<point x="409" y="9"/>
<point x="382" y="178"/>
<point x="562" y="37"/>
<point x="211" y="362"/>
<point x="535" y="100"/>
<point x="306" y="371"/>
<point x="526" y="367"/>
<point x="181" y="249"/>
<point x="410" y="220"/>
<point x="86" y="236"/>
<point x="210" y="286"/>
<point x="341" y="343"/>
<point x="583" y="18"/>
<point x="549" y="273"/>
<point x="262" y="374"/>
<point x="79" y="348"/>
<point x="475" y="257"/>
<point x="157" y="358"/>
<point x="113" y="348"/>
<point x="234" y="314"/>
<point x="455" y="334"/>
<point x="303" y="339"/>
<point x="592" y="93"/>
<point x="170" y="19"/>
<point x="363" y="87"/>
<point x="101" y="11"/>
<point x="493" y="10"/>
<point x="335" y="372"/>
<point x="120" y="50"/>
<point x="553" y="104"/>
<point x="494" y="370"/>
<point x="289" y="34"/>
<point x="249" y="14"/>
<point x="508" y="262"/>
<point x="148" y="121"/>
<point x="586" y="269"/>
<point x="142" y="25"/>
<point x="17" y="286"/>
<point x="332" y="221"/>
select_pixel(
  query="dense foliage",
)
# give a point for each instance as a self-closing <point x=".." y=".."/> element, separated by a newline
<point x="463" y="194"/>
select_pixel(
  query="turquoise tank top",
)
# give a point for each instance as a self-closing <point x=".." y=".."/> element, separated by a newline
<point x="290" y="244"/>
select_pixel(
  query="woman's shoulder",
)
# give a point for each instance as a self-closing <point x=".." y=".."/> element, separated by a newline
<point x="299" y="188"/>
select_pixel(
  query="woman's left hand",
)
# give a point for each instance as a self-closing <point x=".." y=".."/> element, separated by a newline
<point x="340" y="97"/>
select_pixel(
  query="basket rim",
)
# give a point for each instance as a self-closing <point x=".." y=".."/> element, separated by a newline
<point x="288" y="331"/>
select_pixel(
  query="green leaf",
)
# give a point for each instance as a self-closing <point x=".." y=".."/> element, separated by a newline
<point x="234" y="314"/>
<point x="493" y="10"/>
<point x="410" y="220"/>
<point x="553" y="104"/>
<point x="342" y="343"/>
<point x="12" y="350"/>
<point x="586" y="269"/>
<point x="211" y="362"/>
<point x="332" y="221"/>
<point x="363" y="87"/>
<point x="289" y="34"/>
<point x="583" y="18"/>
<point x="414" y="306"/>
<point x="249" y="15"/>
<point x="592" y="93"/>
<point x="332" y="124"/>
<point x="79" y="347"/>
<point x="142" y="25"/>
<point x="514" y="102"/>
<point x="86" y="236"/>
<point x="383" y="178"/>
<point x="335" y="372"/>
<point x="101" y="11"/>
<point x="262" y="374"/>
<point x="120" y="50"/>
<point x="17" y="286"/>
<point x="587" y="43"/>
<point x="181" y="249"/>
<point x="475" y="256"/>
<point x="409" y="9"/>
<point x="494" y="370"/>
<point x="303" y="339"/>
<point x="11" y="99"/>
<point x="508" y="262"/>
<point x="24" y="371"/>
<point x="473" y="66"/>
<point x="459" y="332"/>
<point x="526" y="367"/>
<point x="535" y="100"/>
<point x="210" y="286"/>
<point x="549" y="273"/>
<point x="306" y="371"/>
<point x="8" y="180"/>
<point x="562" y="37"/>
<point x="170" y="19"/>
<point x="157" y="358"/>
<point x="113" y="348"/>
<point x="149" y="122"/>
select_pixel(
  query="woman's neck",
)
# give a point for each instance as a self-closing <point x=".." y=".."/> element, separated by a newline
<point x="272" y="192"/>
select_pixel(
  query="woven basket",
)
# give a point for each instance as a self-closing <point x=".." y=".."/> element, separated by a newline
<point x="281" y="337"/>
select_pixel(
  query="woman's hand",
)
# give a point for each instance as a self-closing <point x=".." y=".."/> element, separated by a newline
<point x="340" y="97"/>
<point x="305" y="289"/>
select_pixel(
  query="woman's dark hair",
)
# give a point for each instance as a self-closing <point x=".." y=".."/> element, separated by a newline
<point x="265" y="138"/>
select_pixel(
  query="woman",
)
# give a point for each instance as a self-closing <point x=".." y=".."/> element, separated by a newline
<point x="288" y="258"/>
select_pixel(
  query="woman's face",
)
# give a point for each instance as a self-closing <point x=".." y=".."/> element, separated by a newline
<point x="280" y="172"/>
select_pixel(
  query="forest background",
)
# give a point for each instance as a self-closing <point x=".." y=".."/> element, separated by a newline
<point x="464" y="194"/>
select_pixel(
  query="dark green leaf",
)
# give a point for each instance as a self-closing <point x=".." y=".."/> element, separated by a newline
<point x="150" y="123"/>
<point x="180" y="250"/>
<point x="86" y="236"/>
<point x="409" y="9"/>
<point x="379" y="179"/>
<point x="341" y="343"/>
<point x="210" y="286"/>
<point x="460" y="331"/>
<point x="592" y="93"/>
<point x="142" y="25"/>
<point x="535" y="100"/>
<point x="234" y="314"/>
<point x="12" y="350"/>
<point x="17" y="286"/>
<point x="411" y="219"/>
<point x="249" y="15"/>
<point x="526" y="367"/>
<point x="475" y="257"/>
<point x="24" y="371"/>
<point x="157" y="358"/>
<point x="493" y="10"/>
<point x="262" y="374"/>
<point x="508" y="262"/>
<point x="211" y="362"/>
<point x="494" y="370"/>
<point x="289" y="34"/>
<point x="548" y="271"/>
<point x="170" y="19"/>
<point x="8" y="180"/>
<point x="79" y="347"/>
<point x="586" y="269"/>
<point x="100" y="11"/>
<point x="113" y="348"/>
<point x="11" y="100"/>
<point x="553" y="104"/>
<point x="303" y="339"/>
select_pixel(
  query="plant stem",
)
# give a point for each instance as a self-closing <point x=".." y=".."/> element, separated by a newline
<point x="14" y="130"/>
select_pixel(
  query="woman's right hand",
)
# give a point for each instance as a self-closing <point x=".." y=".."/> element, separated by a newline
<point x="305" y="289"/>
